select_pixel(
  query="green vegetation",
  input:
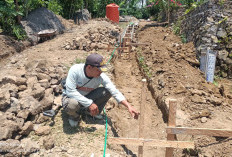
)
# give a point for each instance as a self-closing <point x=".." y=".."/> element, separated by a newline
<point x="146" y="69"/>
<point x="224" y="19"/>
<point x="216" y="80"/>
<point x="176" y="27"/>
<point x="8" y="24"/>
<point x="79" y="60"/>
<point x="12" y="11"/>
<point x="193" y="5"/>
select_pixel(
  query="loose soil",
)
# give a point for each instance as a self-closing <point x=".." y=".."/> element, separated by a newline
<point x="171" y="70"/>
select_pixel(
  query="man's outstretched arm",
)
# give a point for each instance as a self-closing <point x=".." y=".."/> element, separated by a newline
<point x="132" y="111"/>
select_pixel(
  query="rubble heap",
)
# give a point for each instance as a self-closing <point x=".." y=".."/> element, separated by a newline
<point x="94" y="39"/>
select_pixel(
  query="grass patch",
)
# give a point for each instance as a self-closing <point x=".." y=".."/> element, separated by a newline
<point x="79" y="60"/>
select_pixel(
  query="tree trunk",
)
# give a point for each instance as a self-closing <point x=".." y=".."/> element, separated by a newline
<point x="17" y="9"/>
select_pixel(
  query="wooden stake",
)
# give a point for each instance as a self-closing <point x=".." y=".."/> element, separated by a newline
<point x="141" y="120"/>
<point x="171" y="123"/>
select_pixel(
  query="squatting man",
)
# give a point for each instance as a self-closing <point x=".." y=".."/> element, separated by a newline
<point x="83" y="92"/>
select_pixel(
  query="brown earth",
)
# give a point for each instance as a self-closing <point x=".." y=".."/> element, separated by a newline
<point x="171" y="70"/>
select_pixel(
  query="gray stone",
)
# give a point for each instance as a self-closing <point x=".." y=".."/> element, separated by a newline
<point x="214" y="38"/>
<point x="198" y="99"/>
<point x="23" y="114"/>
<point x="31" y="81"/>
<point x="22" y="87"/>
<point x="20" y="122"/>
<point x="210" y="19"/>
<point x="27" y="128"/>
<point x="9" y="79"/>
<point x="43" y="130"/>
<point x="213" y="30"/>
<point x="42" y="76"/>
<point x="221" y="34"/>
<point x="228" y="61"/>
<point x="7" y="128"/>
<point x="215" y="101"/>
<point x="4" y="98"/>
<point x="10" y="146"/>
<point x="14" y="105"/>
<point x="21" y="81"/>
<point x="28" y="146"/>
<point x="229" y="44"/>
<point x="223" y="54"/>
<point x="203" y="119"/>
<point x="38" y="91"/>
<point x="54" y="82"/>
<point x="44" y="83"/>
<point x="48" y="99"/>
<point x="42" y="119"/>
<point x="48" y="143"/>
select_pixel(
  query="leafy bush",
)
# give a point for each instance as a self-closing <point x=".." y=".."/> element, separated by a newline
<point x="55" y="7"/>
<point x="8" y="14"/>
<point x="18" y="32"/>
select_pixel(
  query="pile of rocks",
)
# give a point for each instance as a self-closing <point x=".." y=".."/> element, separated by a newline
<point x="94" y="39"/>
<point x="210" y="26"/>
<point x="23" y="98"/>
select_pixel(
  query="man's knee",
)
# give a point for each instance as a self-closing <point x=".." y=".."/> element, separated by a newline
<point x="72" y="106"/>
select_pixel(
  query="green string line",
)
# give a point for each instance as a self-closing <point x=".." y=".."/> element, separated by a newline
<point x="105" y="134"/>
<point x="104" y="153"/>
<point x="112" y="54"/>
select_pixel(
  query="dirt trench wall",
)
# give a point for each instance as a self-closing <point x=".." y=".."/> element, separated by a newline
<point x="210" y="26"/>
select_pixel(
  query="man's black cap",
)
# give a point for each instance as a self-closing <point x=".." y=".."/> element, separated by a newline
<point x="97" y="61"/>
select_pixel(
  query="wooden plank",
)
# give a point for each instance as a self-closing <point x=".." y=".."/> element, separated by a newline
<point x="150" y="142"/>
<point x="141" y="118"/>
<point x="140" y="151"/>
<point x="172" y="112"/>
<point x="199" y="131"/>
<point x="171" y="122"/>
<point x="142" y="109"/>
<point x="137" y="44"/>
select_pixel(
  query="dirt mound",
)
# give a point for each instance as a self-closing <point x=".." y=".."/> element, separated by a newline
<point x="9" y="46"/>
<point x="41" y="19"/>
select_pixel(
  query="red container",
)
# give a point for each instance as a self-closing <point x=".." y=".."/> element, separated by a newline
<point x="112" y="12"/>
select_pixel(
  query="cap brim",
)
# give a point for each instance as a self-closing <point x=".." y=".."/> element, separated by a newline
<point x="103" y="68"/>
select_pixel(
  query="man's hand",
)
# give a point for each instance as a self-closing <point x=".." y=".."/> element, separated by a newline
<point x="133" y="112"/>
<point x="93" y="109"/>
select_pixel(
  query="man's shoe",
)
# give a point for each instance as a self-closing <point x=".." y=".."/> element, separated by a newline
<point x="74" y="121"/>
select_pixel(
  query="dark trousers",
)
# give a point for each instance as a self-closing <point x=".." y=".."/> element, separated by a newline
<point x="100" y="96"/>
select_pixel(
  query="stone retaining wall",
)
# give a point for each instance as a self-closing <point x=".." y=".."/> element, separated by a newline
<point x="210" y="26"/>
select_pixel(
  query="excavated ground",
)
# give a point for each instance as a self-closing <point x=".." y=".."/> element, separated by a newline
<point x="172" y="71"/>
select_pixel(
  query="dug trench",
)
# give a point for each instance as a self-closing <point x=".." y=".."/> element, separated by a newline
<point x="172" y="71"/>
<point x="128" y="79"/>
